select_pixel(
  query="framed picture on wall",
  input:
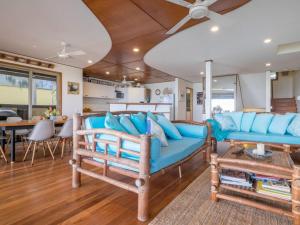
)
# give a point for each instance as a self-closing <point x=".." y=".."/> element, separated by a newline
<point x="199" y="98"/>
<point x="73" y="88"/>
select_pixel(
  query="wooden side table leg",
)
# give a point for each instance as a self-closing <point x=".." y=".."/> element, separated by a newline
<point x="287" y="148"/>
<point x="214" y="177"/>
<point x="296" y="195"/>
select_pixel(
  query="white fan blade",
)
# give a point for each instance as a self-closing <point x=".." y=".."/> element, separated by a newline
<point x="53" y="57"/>
<point x="179" y="24"/>
<point x="214" y="16"/>
<point x="75" y="53"/>
<point x="181" y="2"/>
<point x="208" y="2"/>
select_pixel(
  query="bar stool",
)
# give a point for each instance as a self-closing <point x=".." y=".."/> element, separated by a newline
<point x="42" y="132"/>
<point x="65" y="134"/>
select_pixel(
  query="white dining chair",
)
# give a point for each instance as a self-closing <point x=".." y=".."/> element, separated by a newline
<point x="65" y="135"/>
<point x="23" y="133"/>
<point x="42" y="132"/>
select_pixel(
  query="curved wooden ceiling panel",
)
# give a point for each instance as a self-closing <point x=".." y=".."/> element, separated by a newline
<point x="140" y="24"/>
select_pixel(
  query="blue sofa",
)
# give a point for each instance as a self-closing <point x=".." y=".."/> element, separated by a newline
<point x="135" y="156"/>
<point x="257" y="128"/>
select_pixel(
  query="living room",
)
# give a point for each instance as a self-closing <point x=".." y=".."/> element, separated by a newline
<point x="150" y="112"/>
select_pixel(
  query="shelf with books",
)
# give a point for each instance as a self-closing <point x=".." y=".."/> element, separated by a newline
<point x="272" y="185"/>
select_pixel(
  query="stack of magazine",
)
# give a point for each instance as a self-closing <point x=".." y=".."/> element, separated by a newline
<point x="272" y="186"/>
<point x="238" y="178"/>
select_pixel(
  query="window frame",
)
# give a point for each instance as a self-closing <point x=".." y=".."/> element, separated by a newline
<point x="31" y="71"/>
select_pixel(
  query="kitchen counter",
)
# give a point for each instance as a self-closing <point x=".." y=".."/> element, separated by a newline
<point x="164" y="108"/>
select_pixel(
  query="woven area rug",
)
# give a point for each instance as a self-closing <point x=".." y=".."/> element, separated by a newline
<point x="193" y="206"/>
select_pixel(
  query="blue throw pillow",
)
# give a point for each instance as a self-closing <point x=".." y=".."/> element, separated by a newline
<point x="111" y="122"/>
<point x="226" y="122"/>
<point x="247" y="121"/>
<point x="262" y="122"/>
<point x="294" y="127"/>
<point x="280" y="124"/>
<point x="139" y="121"/>
<point x="128" y="125"/>
<point x="152" y="116"/>
<point x="168" y="127"/>
<point x="237" y="118"/>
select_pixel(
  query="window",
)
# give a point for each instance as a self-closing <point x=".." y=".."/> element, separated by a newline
<point x="28" y="92"/>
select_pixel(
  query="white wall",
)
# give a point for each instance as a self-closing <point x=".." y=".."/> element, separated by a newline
<point x="283" y="87"/>
<point x="161" y="86"/>
<point x="180" y="98"/>
<point x="70" y="103"/>
<point x="197" y="109"/>
<point x="253" y="87"/>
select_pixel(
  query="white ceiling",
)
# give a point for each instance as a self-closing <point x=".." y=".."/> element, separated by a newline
<point x="36" y="28"/>
<point x="238" y="48"/>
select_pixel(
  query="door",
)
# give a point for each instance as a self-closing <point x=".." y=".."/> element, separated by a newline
<point x="189" y="103"/>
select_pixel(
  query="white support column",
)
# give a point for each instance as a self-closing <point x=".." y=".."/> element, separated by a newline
<point x="268" y="91"/>
<point x="208" y="88"/>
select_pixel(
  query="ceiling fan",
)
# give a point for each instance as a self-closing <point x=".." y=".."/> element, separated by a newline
<point x="126" y="82"/>
<point x="197" y="10"/>
<point x="64" y="54"/>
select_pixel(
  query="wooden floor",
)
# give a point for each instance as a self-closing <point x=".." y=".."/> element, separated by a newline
<point x="42" y="194"/>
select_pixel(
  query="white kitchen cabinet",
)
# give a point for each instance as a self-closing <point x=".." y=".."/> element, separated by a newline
<point x="135" y="94"/>
<point x="93" y="90"/>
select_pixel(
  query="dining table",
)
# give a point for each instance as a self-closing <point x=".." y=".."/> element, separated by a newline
<point x="13" y="126"/>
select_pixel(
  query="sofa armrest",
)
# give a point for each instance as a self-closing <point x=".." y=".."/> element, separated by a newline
<point x="193" y="129"/>
<point x="155" y="148"/>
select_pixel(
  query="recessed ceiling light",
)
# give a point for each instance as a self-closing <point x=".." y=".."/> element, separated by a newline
<point x="214" y="28"/>
<point x="215" y="80"/>
<point x="202" y="73"/>
<point x="136" y="49"/>
<point x="138" y="68"/>
<point x="136" y="79"/>
<point x="268" y="64"/>
<point x="107" y="72"/>
<point x="268" y="40"/>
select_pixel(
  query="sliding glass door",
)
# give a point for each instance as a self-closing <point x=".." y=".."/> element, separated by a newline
<point x="28" y="92"/>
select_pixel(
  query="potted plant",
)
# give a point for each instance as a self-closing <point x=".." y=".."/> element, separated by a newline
<point x="51" y="113"/>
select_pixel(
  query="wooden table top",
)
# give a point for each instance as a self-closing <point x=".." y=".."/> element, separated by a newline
<point x="26" y="123"/>
<point x="279" y="165"/>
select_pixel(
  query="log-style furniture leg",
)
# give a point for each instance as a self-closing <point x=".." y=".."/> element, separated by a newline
<point x="296" y="195"/>
<point x="144" y="177"/>
<point x="76" y="176"/>
<point x="287" y="148"/>
<point x="214" y="177"/>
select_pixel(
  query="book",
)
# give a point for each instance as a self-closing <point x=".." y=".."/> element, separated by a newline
<point x="264" y="177"/>
<point x="243" y="184"/>
<point x="274" y="193"/>
<point x="280" y="185"/>
<point x="233" y="175"/>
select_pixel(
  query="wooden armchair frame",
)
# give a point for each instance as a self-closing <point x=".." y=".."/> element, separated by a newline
<point x="84" y="152"/>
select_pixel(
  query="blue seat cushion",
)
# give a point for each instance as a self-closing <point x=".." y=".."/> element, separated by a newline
<point x="236" y="117"/>
<point x="191" y="130"/>
<point x="140" y="122"/>
<point x="269" y="138"/>
<point x="94" y="122"/>
<point x="128" y="125"/>
<point x="112" y="122"/>
<point x="177" y="150"/>
<point x="280" y="123"/>
<point x="226" y="122"/>
<point x="169" y="128"/>
<point x="294" y="127"/>
<point x="247" y="121"/>
<point x="261" y="123"/>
